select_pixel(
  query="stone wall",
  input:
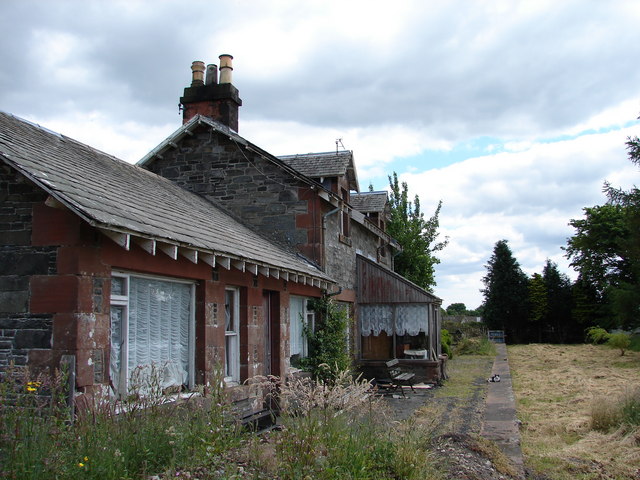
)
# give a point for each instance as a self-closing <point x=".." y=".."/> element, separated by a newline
<point x="255" y="190"/>
<point x="20" y="331"/>
<point x="341" y="252"/>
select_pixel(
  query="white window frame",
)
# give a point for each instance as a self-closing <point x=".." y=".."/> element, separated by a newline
<point x="121" y="383"/>
<point x="232" y="338"/>
<point x="309" y="319"/>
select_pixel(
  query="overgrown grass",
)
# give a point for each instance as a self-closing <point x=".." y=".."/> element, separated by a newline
<point x="475" y="346"/>
<point x="579" y="415"/>
<point x="609" y="414"/>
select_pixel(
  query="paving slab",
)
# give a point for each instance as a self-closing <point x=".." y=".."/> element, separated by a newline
<point x="500" y="423"/>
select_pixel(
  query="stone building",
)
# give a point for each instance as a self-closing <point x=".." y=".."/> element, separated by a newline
<point x="120" y="268"/>
<point x="202" y="257"/>
<point x="307" y="203"/>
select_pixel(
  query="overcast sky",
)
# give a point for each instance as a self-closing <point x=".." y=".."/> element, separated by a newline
<point x="512" y="113"/>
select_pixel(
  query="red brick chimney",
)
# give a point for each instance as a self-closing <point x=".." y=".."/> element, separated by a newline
<point x="206" y="96"/>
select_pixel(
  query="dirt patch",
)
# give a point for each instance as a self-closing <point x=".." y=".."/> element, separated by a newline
<point x="471" y="458"/>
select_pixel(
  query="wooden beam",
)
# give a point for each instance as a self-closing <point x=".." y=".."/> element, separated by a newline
<point x="224" y="262"/>
<point x="189" y="253"/>
<point x="147" y="244"/>
<point x="253" y="268"/>
<point x="122" y="239"/>
<point x="208" y="258"/>
<point x="264" y="271"/>
<point x="169" y="249"/>
<point x="239" y="265"/>
<point x="275" y="273"/>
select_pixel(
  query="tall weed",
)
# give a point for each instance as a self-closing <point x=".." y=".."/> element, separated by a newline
<point x="341" y="430"/>
<point x="124" y="439"/>
<point x="608" y="414"/>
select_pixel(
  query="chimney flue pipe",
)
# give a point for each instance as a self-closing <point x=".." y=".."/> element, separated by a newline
<point x="197" y="71"/>
<point x="226" y="68"/>
<point x="212" y="74"/>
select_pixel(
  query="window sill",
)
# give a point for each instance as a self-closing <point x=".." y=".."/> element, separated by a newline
<point x="344" y="239"/>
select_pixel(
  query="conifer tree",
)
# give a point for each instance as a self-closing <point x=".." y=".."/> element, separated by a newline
<point x="505" y="294"/>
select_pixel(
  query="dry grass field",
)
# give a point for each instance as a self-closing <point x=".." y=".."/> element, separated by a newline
<point x="557" y="390"/>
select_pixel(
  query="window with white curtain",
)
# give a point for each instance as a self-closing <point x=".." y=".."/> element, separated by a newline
<point x="298" y="317"/>
<point x="152" y="330"/>
<point x="232" y="335"/>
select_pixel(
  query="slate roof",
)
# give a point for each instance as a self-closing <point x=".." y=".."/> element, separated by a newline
<point x="366" y="202"/>
<point x="326" y="164"/>
<point x="112" y="194"/>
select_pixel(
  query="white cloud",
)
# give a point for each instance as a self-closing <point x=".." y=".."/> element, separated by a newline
<point x="526" y="197"/>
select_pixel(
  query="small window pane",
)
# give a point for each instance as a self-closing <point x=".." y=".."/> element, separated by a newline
<point x="229" y="311"/>
<point x="117" y="315"/>
<point x="118" y="286"/>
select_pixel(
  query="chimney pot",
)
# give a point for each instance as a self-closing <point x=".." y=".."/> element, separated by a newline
<point x="197" y="70"/>
<point x="212" y="74"/>
<point x="226" y="68"/>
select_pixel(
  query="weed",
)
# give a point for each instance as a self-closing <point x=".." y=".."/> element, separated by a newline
<point x="140" y="435"/>
<point x="475" y="346"/>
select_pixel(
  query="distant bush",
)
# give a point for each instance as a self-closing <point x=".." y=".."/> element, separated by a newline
<point x="475" y="346"/>
<point x="465" y="330"/>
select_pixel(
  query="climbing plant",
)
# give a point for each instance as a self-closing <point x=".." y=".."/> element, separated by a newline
<point x="327" y="340"/>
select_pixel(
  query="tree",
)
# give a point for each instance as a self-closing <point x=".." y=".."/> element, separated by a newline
<point x="538" y="307"/>
<point x="417" y="236"/>
<point x="457" y="309"/>
<point x="604" y="250"/>
<point x="505" y="294"/>
<point x="559" y="322"/>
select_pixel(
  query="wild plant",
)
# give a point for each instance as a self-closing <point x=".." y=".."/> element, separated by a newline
<point x="111" y="438"/>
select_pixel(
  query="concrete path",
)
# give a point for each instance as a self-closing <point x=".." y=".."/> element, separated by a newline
<point x="499" y="424"/>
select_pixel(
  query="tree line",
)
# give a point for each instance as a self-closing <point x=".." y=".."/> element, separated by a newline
<point x="547" y="306"/>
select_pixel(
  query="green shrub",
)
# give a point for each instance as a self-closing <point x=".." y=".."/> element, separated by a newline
<point x="621" y="341"/>
<point x="597" y="335"/>
<point x="446" y="341"/>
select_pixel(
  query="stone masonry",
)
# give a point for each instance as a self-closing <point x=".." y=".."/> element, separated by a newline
<point x="20" y="330"/>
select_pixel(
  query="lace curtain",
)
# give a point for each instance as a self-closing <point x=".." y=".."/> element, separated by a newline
<point x="159" y="328"/>
<point x="411" y="319"/>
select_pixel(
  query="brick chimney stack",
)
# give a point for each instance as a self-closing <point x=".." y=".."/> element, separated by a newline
<point x="206" y="96"/>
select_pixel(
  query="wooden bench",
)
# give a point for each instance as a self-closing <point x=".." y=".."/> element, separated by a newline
<point x="398" y="376"/>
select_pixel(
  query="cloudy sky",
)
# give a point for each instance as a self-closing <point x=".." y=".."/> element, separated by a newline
<point x="513" y="113"/>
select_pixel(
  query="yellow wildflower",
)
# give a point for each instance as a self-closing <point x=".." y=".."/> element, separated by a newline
<point x="81" y="464"/>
